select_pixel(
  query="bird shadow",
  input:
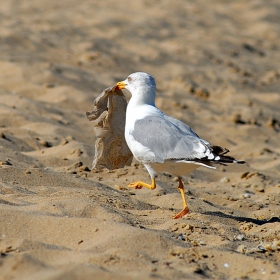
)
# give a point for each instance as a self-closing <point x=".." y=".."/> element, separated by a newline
<point x="237" y="218"/>
<point x="242" y="219"/>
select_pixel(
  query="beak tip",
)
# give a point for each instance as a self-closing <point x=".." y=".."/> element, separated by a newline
<point x="120" y="85"/>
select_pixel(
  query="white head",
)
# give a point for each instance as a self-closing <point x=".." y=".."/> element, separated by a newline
<point x="142" y="87"/>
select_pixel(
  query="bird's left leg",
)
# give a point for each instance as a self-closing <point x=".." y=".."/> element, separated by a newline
<point x="185" y="210"/>
<point x="140" y="185"/>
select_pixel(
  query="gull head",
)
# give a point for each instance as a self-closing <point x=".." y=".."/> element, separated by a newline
<point x="141" y="86"/>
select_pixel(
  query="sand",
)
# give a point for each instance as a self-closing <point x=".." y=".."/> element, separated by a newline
<point x="217" y="69"/>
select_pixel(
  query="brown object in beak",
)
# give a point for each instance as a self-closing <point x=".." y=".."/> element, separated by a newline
<point x="108" y="116"/>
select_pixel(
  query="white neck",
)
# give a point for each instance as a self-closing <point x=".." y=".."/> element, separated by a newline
<point x="145" y="97"/>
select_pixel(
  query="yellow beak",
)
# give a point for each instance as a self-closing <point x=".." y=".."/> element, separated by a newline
<point x="121" y="85"/>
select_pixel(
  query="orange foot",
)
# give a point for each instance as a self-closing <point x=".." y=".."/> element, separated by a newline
<point x="139" y="185"/>
<point x="135" y="185"/>
<point x="184" y="212"/>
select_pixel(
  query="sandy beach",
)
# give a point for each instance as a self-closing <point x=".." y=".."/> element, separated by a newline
<point x="217" y="68"/>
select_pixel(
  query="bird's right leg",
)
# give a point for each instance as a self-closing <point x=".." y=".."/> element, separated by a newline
<point x="185" y="210"/>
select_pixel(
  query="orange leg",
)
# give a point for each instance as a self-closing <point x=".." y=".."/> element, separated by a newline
<point x="185" y="210"/>
<point x="140" y="185"/>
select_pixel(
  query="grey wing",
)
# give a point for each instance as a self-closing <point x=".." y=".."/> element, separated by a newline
<point x="185" y="128"/>
<point x="168" y="139"/>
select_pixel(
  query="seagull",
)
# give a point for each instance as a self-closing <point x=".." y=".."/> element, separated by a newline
<point x="162" y="143"/>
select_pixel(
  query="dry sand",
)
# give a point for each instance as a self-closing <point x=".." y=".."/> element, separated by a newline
<point x="217" y="66"/>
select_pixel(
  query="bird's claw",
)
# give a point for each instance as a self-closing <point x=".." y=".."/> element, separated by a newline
<point x="184" y="212"/>
<point x="135" y="185"/>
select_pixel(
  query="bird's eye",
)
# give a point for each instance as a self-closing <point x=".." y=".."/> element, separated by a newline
<point x="129" y="79"/>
